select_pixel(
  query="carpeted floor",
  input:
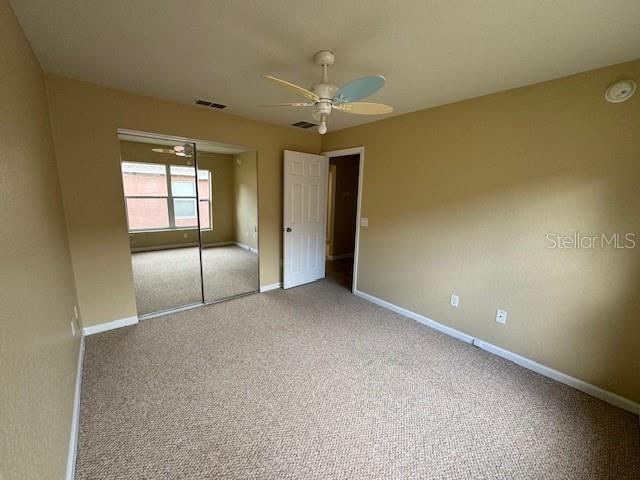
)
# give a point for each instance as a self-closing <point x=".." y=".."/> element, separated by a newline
<point x="229" y="271"/>
<point x="314" y="383"/>
<point x="171" y="278"/>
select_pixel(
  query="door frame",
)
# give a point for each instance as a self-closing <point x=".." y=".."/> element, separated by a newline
<point x="341" y="153"/>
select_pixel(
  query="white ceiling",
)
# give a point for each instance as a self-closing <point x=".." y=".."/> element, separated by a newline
<point x="432" y="52"/>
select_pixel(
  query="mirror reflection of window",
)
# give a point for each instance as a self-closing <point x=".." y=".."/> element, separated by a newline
<point x="163" y="197"/>
<point x="205" y="186"/>
<point x="146" y="195"/>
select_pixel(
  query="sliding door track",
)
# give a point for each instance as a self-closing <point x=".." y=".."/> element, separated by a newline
<point x="169" y="311"/>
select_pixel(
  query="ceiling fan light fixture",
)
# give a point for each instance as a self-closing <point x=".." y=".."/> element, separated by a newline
<point x="325" y="97"/>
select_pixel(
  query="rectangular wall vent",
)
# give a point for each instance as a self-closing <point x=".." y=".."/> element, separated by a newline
<point x="209" y="103"/>
<point x="303" y="124"/>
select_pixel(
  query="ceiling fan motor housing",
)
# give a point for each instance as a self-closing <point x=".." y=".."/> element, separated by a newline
<point x="325" y="91"/>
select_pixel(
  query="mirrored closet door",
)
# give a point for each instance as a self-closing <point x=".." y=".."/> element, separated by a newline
<point x="159" y="187"/>
<point x="230" y="241"/>
<point x="192" y="216"/>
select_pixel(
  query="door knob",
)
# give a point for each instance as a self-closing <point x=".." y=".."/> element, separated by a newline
<point x="288" y="229"/>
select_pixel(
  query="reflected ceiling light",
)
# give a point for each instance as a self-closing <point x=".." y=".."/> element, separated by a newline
<point x="179" y="150"/>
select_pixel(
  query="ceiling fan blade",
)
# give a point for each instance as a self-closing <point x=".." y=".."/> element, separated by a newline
<point x="295" y="88"/>
<point x="360" y="88"/>
<point x="288" y="105"/>
<point x="364" y="108"/>
<point x="187" y="152"/>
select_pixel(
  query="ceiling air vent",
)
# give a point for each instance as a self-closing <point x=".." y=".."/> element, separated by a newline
<point x="209" y="103"/>
<point x="303" y="124"/>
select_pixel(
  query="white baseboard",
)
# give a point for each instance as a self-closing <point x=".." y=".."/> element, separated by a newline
<point x="340" y="257"/>
<point x="226" y="244"/>
<point x="576" y="383"/>
<point x="204" y="245"/>
<point x="169" y="246"/>
<point x="588" y="388"/>
<point x="218" y="244"/>
<point x="417" y="317"/>
<point x="103" y="327"/>
<point x="246" y="247"/>
<point x="75" y="416"/>
<point x="267" y="288"/>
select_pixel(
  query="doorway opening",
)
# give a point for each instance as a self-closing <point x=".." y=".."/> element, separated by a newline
<point x="342" y="217"/>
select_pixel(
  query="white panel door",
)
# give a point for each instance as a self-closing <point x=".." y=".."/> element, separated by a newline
<point x="304" y="219"/>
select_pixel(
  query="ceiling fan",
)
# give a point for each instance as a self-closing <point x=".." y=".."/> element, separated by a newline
<point x="325" y="97"/>
<point x="185" y="150"/>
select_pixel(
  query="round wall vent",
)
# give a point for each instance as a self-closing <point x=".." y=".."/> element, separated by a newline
<point x="620" y="91"/>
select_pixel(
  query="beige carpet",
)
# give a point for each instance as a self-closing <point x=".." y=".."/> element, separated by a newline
<point x="167" y="279"/>
<point x="314" y="383"/>
<point x="229" y="271"/>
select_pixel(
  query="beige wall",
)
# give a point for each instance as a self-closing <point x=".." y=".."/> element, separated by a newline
<point x="344" y="204"/>
<point x="38" y="354"/>
<point x="460" y="199"/>
<point x="85" y="119"/>
<point x="147" y="241"/>
<point x="222" y="169"/>
<point x="246" y="198"/>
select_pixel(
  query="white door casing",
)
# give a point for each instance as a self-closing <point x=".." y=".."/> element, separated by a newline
<point x="304" y="217"/>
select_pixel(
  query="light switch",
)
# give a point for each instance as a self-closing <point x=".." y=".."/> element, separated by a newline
<point x="455" y="301"/>
<point x="364" y="221"/>
<point x="501" y="316"/>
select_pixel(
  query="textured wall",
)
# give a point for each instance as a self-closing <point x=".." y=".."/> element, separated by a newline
<point x="245" y="183"/>
<point x="85" y="119"/>
<point x="38" y="355"/>
<point x="222" y="169"/>
<point x="460" y="199"/>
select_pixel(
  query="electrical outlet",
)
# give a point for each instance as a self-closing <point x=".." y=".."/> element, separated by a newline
<point x="364" y="221"/>
<point x="455" y="300"/>
<point x="501" y="316"/>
